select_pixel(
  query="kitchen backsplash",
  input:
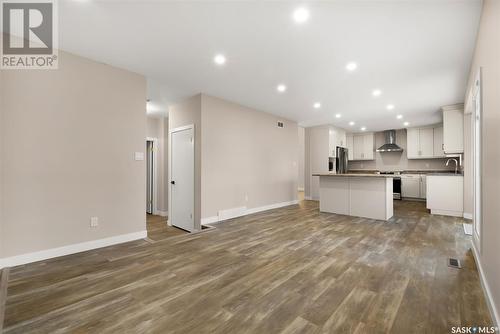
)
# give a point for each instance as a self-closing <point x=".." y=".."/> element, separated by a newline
<point x="398" y="160"/>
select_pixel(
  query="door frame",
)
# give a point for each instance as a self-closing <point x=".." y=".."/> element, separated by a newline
<point x="170" y="133"/>
<point x="154" y="201"/>
<point x="477" y="161"/>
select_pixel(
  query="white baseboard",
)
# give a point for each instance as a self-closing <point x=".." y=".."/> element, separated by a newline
<point x="161" y="213"/>
<point x="70" y="249"/>
<point x="486" y="288"/>
<point x="217" y="219"/>
<point x="447" y="213"/>
<point x="467" y="215"/>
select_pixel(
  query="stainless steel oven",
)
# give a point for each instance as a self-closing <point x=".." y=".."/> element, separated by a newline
<point x="396" y="184"/>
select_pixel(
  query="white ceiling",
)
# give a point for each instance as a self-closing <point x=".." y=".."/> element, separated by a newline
<point x="417" y="52"/>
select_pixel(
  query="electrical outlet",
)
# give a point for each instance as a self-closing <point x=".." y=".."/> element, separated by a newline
<point x="94" y="221"/>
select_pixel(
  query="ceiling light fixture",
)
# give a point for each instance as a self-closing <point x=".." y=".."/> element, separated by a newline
<point x="281" y="88"/>
<point x="351" y="66"/>
<point x="406" y="123"/>
<point x="338" y="115"/>
<point x="300" y="15"/>
<point x="399" y="116"/>
<point x="376" y="92"/>
<point x="390" y="107"/>
<point x="351" y="123"/>
<point x="317" y="105"/>
<point x="363" y="128"/>
<point x="220" y="59"/>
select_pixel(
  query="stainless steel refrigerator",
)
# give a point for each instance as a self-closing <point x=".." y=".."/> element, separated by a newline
<point x="341" y="160"/>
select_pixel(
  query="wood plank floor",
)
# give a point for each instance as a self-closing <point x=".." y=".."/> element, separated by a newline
<point x="159" y="230"/>
<point x="289" y="270"/>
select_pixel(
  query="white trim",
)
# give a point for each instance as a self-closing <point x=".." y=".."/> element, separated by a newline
<point x="271" y="206"/>
<point x="486" y="288"/>
<point x="156" y="148"/>
<point x="468" y="215"/>
<point x="215" y="219"/>
<point x="70" y="249"/>
<point x="162" y="213"/>
<point x="447" y="213"/>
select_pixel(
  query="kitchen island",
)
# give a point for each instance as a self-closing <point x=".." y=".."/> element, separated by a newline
<point x="355" y="194"/>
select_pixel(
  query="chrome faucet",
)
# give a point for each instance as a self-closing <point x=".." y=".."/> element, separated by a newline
<point x="456" y="164"/>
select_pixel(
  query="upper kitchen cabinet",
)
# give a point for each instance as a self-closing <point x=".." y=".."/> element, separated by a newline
<point x="337" y="137"/>
<point x="420" y="143"/>
<point x="360" y="146"/>
<point x="438" y="142"/>
<point x="453" y="129"/>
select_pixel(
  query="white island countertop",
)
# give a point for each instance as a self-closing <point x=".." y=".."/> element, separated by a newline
<point x="354" y="194"/>
<point x="357" y="175"/>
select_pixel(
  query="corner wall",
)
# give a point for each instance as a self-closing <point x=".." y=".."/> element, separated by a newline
<point x="487" y="57"/>
<point x="69" y="137"/>
<point x="247" y="160"/>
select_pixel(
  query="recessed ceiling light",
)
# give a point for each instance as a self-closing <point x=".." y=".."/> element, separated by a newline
<point x="399" y="116"/>
<point x="390" y="107"/>
<point x="281" y="88"/>
<point x="317" y="105"/>
<point x="406" y="123"/>
<point x="351" y="123"/>
<point x="300" y="15"/>
<point x="338" y="115"/>
<point x="220" y="59"/>
<point x="363" y="128"/>
<point x="351" y="66"/>
<point x="376" y="92"/>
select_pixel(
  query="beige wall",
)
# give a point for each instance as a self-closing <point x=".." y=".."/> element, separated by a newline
<point x="397" y="160"/>
<point x="69" y="137"/>
<point x="155" y="128"/>
<point x="185" y="113"/>
<point x="467" y="164"/>
<point x="247" y="161"/>
<point x="2" y="236"/>
<point x="317" y="147"/>
<point x="487" y="56"/>
<point x="302" y="153"/>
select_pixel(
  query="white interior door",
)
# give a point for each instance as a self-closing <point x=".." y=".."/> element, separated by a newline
<point x="477" y="157"/>
<point x="182" y="178"/>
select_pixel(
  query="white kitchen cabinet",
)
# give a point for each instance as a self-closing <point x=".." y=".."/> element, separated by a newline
<point x="445" y="194"/>
<point x="368" y="148"/>
<point x="453" y="129"/>
<point x="420" y="143"/>
<point x="427" y="142"/>
<point x="410" y="186"/>
<point x="350" y="146"/>
<point x="337" y="137"/>
<point x="413" y="186"/>
<point x="438" y="142"/>
<point x="361" y="146"/>
<point x="423" y="186"/>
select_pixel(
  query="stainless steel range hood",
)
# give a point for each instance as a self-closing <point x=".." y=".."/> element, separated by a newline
<point x="390" y="143"/>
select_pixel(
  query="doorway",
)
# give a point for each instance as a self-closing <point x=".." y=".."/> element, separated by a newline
<point x="151" y="147"/>
<point x="181" y="187"/>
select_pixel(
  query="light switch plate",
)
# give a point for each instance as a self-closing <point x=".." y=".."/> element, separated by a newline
<point x="139" y="156"/>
